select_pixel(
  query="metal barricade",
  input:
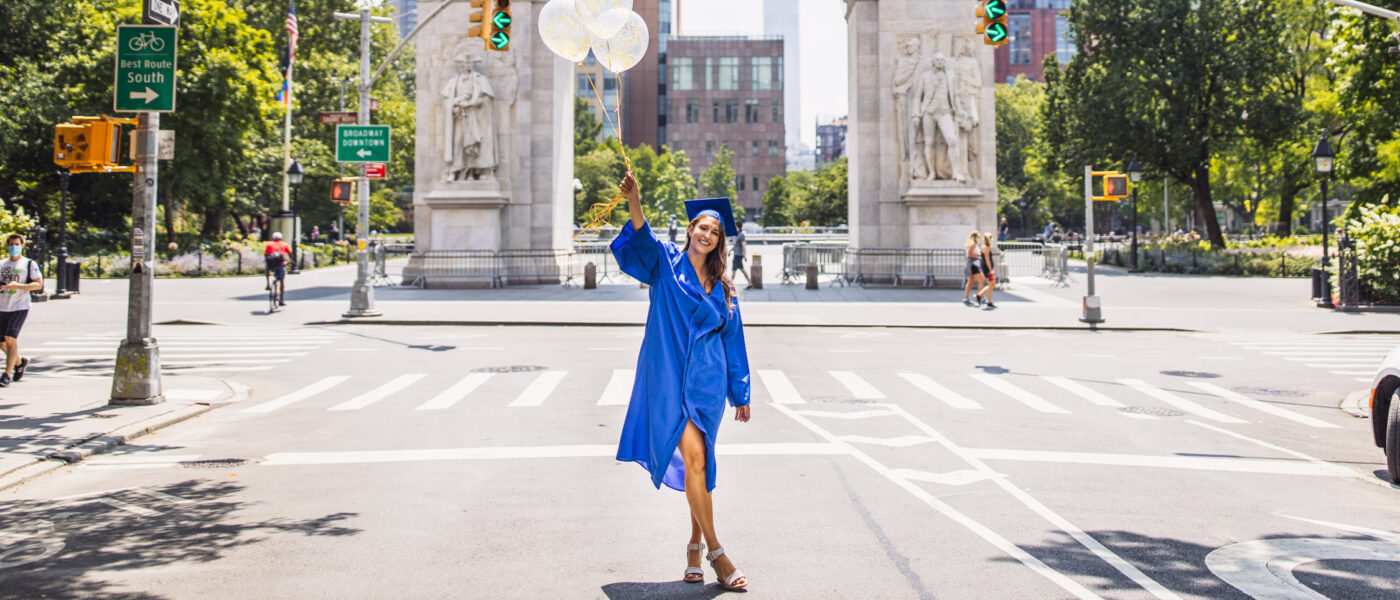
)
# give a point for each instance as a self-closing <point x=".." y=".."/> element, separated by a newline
<point x="452" y="267"/>
<point x="602" y="258"/>
<point x="830" y="260"/>
<point x="902" y="266"/>
<point x="533" y="267"/>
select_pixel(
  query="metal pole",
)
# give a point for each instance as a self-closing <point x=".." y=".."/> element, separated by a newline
<point x="1166" y="209"/>
<point x="1326" y="275"/>
<point x="1135" y="228"/>
<point x="362" y="294"/>
<point x="296" y="228"/>
<point x="137" y="377"/>
<point x="61" y="291"/>
<point x="1093" y="313"/>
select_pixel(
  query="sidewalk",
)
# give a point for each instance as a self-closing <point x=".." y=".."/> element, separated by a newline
<point x="48" y="422"/>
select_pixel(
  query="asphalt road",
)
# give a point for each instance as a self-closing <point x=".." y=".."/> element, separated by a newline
<point x="476" y="462"/>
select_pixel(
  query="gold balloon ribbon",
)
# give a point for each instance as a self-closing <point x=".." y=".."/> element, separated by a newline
<point x="600" y="213"/>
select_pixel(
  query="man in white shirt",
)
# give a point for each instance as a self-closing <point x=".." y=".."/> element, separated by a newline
<point x="18" y="277"/>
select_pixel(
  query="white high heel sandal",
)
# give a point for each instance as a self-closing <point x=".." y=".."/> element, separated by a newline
<point x="727" y="582"/>
<point x="694" y="574"/>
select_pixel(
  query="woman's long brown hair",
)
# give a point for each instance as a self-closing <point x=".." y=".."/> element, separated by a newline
<point x="716" y="262"/>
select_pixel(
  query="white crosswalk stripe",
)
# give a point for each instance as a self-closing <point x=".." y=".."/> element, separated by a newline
<point x="860" y="388"/>
<point x="299" y="395"/>
<point x="780" y="388"/>
<point x="619" y="390"/>
<point x="1179" y="402"/>
<point x="394" y="386"/>
<point x="1260" y="406"/>
<point x="1025" y="397"/>
<point x="458" y="391"/>
<point x="1081" y="390"/>
<point x="935" y="389"/>
<point x="540" y="389"/>
<point x="1338" y="355"/>
<point x="182" y="350"/>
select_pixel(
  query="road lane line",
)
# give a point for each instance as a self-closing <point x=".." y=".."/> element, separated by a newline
<point x="1088" y="541"/>
<point x="1261" y="406"/>
<point x="608" y="451"/>
<point x="935" y="389"/>
<point x="1294" y="453"/>
<point x="780" y="388"/>
<point x="162" y="496"/>
<point x="1179" y="402"/>
<point x="393" y="386"/>
<point x="1081" y="390"/>
<point x="903" y="441"/>
<point x="860" y="388"/>
<point x="128" y="507"/>
<point x="1365" y="365"/>
<point x="962" y="477"/>
<point x="619" y="390"/>
<point x="459" y="390"/>
<point x="299" y="395"/>
<point x="539" y="389"/>
<point x="982" y="531"/>
<point x="1195" y="463"/>
<point x="1027" y="398"/>
<point x="853" y="415"/>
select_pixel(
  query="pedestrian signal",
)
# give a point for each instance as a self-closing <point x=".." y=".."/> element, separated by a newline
<point x="1115" y="186"/>
<point x="498" y="30"/>
<point x="343" y="190"/>
<point x="992" y="25"/>
<point x="90" y="145"/>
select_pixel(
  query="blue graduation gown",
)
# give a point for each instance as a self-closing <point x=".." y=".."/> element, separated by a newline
<point x="692" y="359"/>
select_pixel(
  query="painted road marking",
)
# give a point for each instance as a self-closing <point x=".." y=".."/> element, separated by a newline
<point x="853" y="415"/>
<point x="1195" y="463"/>
<point x="162" y="496"/>
<point x="860" y="388"/>
<point x="1261" y="406"/>
<point x="1081" y="390"/>
<point x="1264" y="568"/>
<point x="299" y="395"/>
<point x="128" y="507"/>
<point x="607" y="451"/>
<point x="903" y="441"/>
<point x="394" y="385"/>
<point x="935" y="389"/>
<point x="1365" y="365"/>
<point x="619" y="390"/>
<point x="1027" y="398"/>
<point x="1294" y="453"/>
<point x="962" y="477"/>
<point x="1179" y="402"/>
<point x="780" y="388"/>
<point x="459" y="390"/>
<point x="540" y="388"/>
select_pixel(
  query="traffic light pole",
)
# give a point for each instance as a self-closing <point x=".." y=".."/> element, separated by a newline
<point x="60" y="292"/>
<point x="137" y="377"/>
<point x="1093" y="310"/>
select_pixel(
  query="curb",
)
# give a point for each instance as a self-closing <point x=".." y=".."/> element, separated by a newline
<point x="449" y="323"/>
<point x="1355" y="404"/>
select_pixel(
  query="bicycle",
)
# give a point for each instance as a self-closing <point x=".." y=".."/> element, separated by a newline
<point x="274" y="291"/>
<point x="146" y="40"/>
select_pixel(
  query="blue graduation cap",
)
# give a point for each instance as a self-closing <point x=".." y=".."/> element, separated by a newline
<point x="718" y="208"/>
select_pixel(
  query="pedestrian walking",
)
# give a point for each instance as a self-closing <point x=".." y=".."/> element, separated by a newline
<point x="671" y="230"/>
<point x="692" y="359"/>
<point x="989" y="271"/>
<point x="741" y="249"/>
<point x="1004" y="232"/>
<point x="19" y="276"/>
<point x="974" y="269"/>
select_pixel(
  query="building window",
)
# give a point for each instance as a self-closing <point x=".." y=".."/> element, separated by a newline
<point x="709" y="73"/>
<point x="777" y="111"/>
<point x="715" y="107"/>
<point x="1064" y="41"/>
<point x="780" y="72"/>
<point x="739" y="182"/>
<point x="1053" y="4"/>
<point x="762" y="72"/>
<point x="754" y="146"/>
<point x="692" y="111"/>
<point x="755" y="183"/>
<point x="709" y="148"/>
<point x="731" y="110"/>
<point x="1020" y="38"/>
<point x="728" y="74"/>
<point x="1021" y="4"/>
<point x="773" y="148"/>
<point x="583" y="88"/>
<point x="609" y="82"/>
<point x="751" y="110"/>
<point x="682" y="74"/>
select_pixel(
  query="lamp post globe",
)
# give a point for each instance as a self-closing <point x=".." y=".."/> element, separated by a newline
<point x="1135" y="176"/>
<point x="295" y="175"/>
<point x="1323" y="161"/>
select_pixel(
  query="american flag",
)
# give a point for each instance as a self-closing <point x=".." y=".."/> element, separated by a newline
<point x="294" y="34"/>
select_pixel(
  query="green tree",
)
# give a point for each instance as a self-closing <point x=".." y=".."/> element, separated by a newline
<point x="586" y="127"/>
<point x="775" y="204"/>
<point x="1178" y="74"/>
<point x="826" y="202"/>
<point x="718" y="179"/>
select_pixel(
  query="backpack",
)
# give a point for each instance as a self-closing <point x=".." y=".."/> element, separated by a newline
<point x="276" y="259"/>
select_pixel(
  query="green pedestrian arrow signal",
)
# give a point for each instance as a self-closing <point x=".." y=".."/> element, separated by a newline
<point x="500" y="40"/>
<point x="502" y="19"/>
<point x="994" y="8"/>
<point x="996" y="33"/>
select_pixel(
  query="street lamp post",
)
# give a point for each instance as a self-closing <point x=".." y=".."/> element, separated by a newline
<point x="1323" y="159"/>
<point x="295" y="175"/>
<point x="1135" y="175"/>
<point x="60" y="292"/>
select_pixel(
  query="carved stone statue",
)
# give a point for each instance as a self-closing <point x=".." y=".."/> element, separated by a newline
<point x="470" y="130"/>
<point x="933" y="102"/>
<point x="968" y="95"/>
<point x="906" y="127"/>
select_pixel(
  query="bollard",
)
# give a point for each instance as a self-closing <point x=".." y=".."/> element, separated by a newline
<point x="590" y="276"/>
<point x="756" y="272"/>
<point x="811" y="276"/>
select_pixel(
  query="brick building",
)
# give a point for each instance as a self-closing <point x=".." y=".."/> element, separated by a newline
<point x="1038" y="28"/>
<point x="831" y="141"/>
<point x="643" y="84"/>
<point x="728" y="89"/>
<point x="609" y="89"/>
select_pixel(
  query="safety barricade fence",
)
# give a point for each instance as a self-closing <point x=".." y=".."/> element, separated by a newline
<point x="533" y="267"/>
<point x="926" y="267"/>
<point x="453" y="268"/>
<point x="829" y="258"/>
<point x="603" y="261"/>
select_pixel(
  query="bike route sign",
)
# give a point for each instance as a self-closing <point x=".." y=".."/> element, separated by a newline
<point x="145" y="80"/>
<point x="362" y="143"/>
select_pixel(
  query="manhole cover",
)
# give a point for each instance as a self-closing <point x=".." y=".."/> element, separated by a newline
<point x="214" y="463"/>
<point x="1194" y="374"/>
<point x="1268" y="391"/>
<point x="1152" y="410"/>
<point x="510" y="369"/>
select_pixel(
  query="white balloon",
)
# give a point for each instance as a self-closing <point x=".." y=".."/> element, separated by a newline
<point x="562" y="31"/>
<point x="608" y="23"/>
<point x="590" y="11"/>
<point x="624" y="50"/>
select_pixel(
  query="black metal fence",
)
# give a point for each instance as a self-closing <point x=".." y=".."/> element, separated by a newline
<point x="1244" y="264"/>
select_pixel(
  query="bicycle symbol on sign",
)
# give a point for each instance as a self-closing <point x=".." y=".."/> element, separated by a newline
<point x="147" y="40"/>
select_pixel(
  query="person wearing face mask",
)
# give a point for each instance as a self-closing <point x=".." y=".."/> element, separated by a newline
<point x="693" y="359"/>
<point x="18" y="277"/>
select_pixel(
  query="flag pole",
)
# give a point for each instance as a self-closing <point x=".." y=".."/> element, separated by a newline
<point x="287" y="142"/>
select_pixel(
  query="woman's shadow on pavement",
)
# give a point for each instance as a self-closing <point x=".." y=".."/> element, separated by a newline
<point x="668" y="590"/>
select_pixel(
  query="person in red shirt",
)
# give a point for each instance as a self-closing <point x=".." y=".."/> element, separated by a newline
<point x="276" y="256"/>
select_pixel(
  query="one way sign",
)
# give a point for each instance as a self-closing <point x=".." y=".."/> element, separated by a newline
<point x="362" y="143"/>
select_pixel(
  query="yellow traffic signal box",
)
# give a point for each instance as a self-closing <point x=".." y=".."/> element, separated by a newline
<point x="90" y="145"/>
<point x="477" y="18"/>
<point x="1115" y="186"/>
<point x="343" y="190"/>
<point x="992" y="24"/>
<point x="497" y="31"/>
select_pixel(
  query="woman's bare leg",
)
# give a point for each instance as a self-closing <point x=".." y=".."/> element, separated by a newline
<point x="697" y="493"/>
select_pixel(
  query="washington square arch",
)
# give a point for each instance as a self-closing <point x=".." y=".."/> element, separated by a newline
<point x="494" y="145"/>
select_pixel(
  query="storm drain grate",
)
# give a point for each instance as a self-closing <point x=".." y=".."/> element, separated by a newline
<point x="1193" y="374"/>
<point x="214" y="463"/>
<point x="510" y="369"/>
<point x="1152" y="410"/>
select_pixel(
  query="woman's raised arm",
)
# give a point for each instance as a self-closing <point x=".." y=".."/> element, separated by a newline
<point x="633" y="191"/>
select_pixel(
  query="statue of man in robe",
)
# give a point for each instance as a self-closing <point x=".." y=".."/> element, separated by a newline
<point x="906" y="127"/>
<point x="969" y="94"/>
<point x="932" y="97"/>
<point x="471" y="121"/>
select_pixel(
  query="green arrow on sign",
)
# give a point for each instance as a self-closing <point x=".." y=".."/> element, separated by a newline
<point x="997" y="32"/>
<point x="995" y="9"/>
<point x="500" y="40"/>
<point x="502" y="20"/>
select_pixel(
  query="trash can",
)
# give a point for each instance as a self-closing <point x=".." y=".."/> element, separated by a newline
<point x="69" y="276"/>
<point x="1319" y="283"/>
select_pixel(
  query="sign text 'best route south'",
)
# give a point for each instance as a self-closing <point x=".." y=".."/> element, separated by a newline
<point x="145" y="69"/>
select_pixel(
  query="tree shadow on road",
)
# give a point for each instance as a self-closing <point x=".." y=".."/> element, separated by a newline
<point x="669" y="590"/>
<point x="86" y="546"/>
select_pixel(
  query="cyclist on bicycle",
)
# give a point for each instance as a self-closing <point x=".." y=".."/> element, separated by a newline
<point x="276" y="255"/>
